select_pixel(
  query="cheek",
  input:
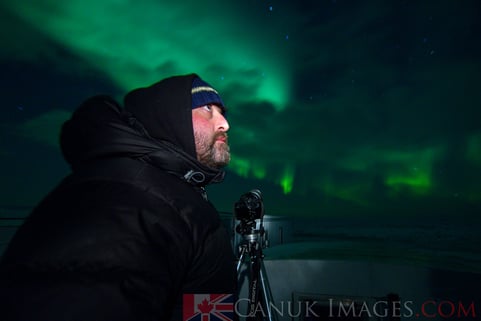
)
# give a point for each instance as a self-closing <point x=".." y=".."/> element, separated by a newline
<point x="201" y="126"/>
<point x="201" y="134"/>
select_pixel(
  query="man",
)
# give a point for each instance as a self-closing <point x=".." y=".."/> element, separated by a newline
<point x="130" y="230"/>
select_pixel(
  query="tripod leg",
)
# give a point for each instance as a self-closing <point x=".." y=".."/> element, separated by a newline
<point x="241" y="259"/>
<point x="255" y="311"/>
<point x="267" y="293"/>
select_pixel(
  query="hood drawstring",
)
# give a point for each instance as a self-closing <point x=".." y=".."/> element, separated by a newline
<point x="197" y="178"/>
<point x="203" y="192"/>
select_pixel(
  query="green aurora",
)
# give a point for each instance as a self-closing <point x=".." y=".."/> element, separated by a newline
<point x="335" y="108"/>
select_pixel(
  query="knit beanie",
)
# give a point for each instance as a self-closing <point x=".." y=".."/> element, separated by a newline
<point x="203" y="94"/>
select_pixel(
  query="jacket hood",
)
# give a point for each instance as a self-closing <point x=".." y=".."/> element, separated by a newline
<point x="152" y="130"/>
<point x="165" y="110"/>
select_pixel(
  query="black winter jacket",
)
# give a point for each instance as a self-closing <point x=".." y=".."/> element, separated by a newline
<point x="130" y="230"/>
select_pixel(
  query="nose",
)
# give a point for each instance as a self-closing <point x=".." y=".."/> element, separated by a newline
<point x="221" y="123"/>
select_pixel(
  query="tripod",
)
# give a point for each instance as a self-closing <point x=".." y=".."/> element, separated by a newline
<point x="251" y="245"/>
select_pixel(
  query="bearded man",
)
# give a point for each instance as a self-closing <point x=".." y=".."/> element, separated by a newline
<point x="130" y="231"/>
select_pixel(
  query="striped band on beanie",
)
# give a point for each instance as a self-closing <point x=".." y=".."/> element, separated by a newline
<point x="203" y="94"/>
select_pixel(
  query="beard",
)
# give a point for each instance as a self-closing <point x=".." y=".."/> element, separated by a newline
<point x="210" y="152"/>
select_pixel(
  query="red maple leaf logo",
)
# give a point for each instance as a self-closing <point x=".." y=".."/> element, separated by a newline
<point x="205" y="307"/>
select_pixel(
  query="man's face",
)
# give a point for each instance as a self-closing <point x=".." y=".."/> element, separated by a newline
<point x="210" y="133"/>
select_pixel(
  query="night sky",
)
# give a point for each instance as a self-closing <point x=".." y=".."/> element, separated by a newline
<point x="338" y="109"/>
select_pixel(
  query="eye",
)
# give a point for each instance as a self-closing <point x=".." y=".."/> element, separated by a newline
<point x="207" y="107"/>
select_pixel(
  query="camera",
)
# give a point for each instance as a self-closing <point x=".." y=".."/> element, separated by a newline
<point x="250" y="206"/>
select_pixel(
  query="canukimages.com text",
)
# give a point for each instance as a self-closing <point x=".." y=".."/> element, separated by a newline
<point x="334" y="308"/>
